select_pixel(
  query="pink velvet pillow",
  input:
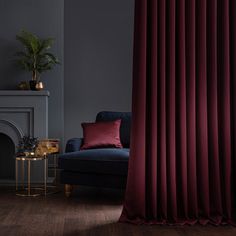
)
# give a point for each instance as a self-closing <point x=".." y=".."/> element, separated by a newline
<point x="101" y="134"/>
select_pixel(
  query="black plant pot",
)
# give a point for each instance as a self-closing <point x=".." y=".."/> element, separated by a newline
<point x="32" y="84"/>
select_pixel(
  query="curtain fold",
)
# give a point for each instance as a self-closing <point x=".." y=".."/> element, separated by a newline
<point x="182" y="167"/>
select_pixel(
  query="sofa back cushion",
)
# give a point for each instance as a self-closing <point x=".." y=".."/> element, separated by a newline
<point x="125" y="126"/>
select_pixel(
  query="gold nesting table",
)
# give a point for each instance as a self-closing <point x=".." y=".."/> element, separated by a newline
<point x="46" y="149"/>
<point x="21" y="189"/>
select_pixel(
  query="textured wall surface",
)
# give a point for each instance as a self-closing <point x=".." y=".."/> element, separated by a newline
<point x="98" y="59"/>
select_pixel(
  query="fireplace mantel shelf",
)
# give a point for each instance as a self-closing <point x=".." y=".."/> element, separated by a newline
<point x="24" y="93"/>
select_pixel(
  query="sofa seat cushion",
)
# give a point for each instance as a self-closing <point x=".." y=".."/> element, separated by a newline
<point x="100" y="161"/>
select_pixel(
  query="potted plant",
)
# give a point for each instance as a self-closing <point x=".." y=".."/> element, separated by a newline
<point x="35" y="57"/>
<point x="27" y="145"/>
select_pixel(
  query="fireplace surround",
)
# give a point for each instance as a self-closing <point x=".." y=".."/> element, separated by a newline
<point x="24" y="113"/>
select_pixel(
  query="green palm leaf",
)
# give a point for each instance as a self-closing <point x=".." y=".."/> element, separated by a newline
<point x="35" y="56"/>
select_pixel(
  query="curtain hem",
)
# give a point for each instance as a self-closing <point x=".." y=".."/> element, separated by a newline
<point x="179" y="222"/>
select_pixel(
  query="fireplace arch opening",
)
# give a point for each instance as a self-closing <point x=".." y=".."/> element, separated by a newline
<point x="7" y="162"/>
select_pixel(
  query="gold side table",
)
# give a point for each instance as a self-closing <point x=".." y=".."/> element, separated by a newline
<point x="50" y="147"/>
<point x="28" y="191"/>
<point x="53" y="167"/>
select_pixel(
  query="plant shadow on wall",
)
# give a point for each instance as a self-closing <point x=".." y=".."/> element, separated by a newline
<point x="35" y="58"/>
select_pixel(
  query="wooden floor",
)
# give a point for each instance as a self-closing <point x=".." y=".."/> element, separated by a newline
<point x="89" y="212"/>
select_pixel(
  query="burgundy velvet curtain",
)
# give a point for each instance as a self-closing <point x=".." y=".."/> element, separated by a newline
<point x="183" y="147"/>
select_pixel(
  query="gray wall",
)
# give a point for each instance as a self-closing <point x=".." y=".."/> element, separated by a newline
<point x="46" y="19"/>
<point x="98" y="56"/>
<point x="98" y="59"/>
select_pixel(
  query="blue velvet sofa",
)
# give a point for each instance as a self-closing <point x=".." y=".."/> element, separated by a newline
<point x="102" y="167"/>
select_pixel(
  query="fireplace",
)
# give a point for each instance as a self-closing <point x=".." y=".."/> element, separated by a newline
<point x="21" y="113"/>
<point x="7" y="163"/>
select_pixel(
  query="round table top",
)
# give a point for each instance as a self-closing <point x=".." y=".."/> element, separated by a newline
<point x="31" y="158"/>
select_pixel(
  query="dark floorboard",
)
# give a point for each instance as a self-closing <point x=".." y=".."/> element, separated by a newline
<point x="88" y="212"/>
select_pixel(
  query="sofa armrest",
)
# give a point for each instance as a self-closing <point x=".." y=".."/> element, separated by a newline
<point x="74" y="144"/>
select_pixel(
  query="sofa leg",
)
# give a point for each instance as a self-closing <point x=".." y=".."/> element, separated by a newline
<point x="68" y="190"/>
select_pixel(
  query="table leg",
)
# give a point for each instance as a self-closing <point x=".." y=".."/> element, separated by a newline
<point x="23" y="174"/>
<point x="16" y="169"/>
<point x="45" y="176"/>
<point x="55" y="169"/>
<point x="29" y="192"/>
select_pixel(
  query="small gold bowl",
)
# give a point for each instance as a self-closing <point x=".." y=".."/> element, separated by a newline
<point x="39" y="86"/>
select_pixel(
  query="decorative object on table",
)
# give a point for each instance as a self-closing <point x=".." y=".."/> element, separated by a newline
<point x="47" y="146"/>
<point x="24" y="85"/>
<point x="27" y="146"/>
<point x="35" y="57"/>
